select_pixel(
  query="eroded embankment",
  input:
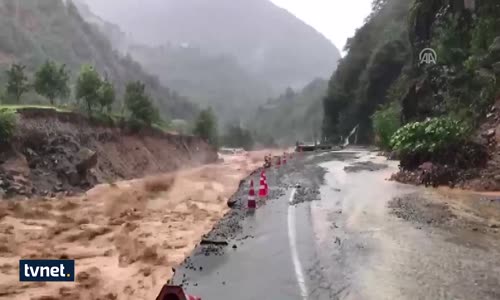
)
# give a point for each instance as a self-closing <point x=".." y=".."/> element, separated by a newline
<point x="53" y="152"/>
<point x="125" y="237"/>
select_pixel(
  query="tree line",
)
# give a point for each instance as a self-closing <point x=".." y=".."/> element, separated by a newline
<point x="96" y="93"/>
<point x="92" y="91"/>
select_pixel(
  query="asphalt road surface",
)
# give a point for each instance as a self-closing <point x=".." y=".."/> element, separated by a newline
<point x="327" y="233"/>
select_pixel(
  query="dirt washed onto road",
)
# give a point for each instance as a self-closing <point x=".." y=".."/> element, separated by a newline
<point x="125" y="237"/>
<point x="452" y="209"/>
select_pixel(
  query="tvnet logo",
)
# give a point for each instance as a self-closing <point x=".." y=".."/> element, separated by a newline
<point x="46" y="270"/>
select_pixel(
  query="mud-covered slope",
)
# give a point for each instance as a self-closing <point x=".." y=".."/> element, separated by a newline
<point x="53" y="152"/>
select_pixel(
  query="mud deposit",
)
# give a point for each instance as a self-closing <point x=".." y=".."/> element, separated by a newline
<point x="473" y="213"/>
<point x="365" y="166"/>
<point x="54" y="152"/>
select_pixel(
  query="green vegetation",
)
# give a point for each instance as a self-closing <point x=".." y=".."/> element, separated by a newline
<point x="52" y="31"/>
<point x="386" y="122"/>
<point x="106" y="95"/>
<point x="429" y="136"/>
<point x="294" y="116"/>
<point x="51" y="81"/>
<point x="375" y="59"/>
<point x="7" y="125"/>
<point x="15" y="107"/>
<point x="206" y="127"/>
<point x="87" y="87"/>
<point x="17" y="82"/>
<point x="237" y="137"/>
<point x="381" y="84"/>
<point x="139" y="104"/>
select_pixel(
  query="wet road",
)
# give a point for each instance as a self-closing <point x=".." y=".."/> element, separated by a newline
<point x="338" y="241"/>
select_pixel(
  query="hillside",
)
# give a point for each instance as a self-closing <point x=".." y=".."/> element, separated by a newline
<point x="294" y="116"/>
<point x="33" y="31"/>
<point x="382" y="65"/>
<point x="438" y="116"/>
<point x="266" y="40"/>
<point x="209" y="80"/>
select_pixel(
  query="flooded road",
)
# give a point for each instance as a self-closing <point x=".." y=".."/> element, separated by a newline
<point x="341" y="240"/>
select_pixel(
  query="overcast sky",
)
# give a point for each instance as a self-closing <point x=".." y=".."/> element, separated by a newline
<point x="335" y="19"/>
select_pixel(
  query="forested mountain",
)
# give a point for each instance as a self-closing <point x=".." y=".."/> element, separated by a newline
<point x="383" y="67"/>
<point x="266" y="40"/>
<point x="33" y="31"/>
<point x="209" y="80"/>
<point x="293" y="116"/>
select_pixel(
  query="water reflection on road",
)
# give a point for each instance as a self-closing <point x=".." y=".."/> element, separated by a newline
<point x="366" y="253"/>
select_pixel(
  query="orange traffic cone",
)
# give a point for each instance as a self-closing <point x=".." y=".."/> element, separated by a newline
<point x="262" y="188"/>
<point x="265" y="182"/>
<point x="252" y="204"/>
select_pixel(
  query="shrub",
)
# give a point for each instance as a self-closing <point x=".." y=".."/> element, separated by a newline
<point x="429" y="136"/>
<point x="386" y="122"/>
<point x="7" y="125"/>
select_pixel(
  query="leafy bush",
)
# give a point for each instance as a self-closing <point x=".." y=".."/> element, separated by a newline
<point x="386" y="122"/>
<point x="7" y="125"/>
<point x="429" y="136"/>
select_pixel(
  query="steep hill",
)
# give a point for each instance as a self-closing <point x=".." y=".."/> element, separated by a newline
<point x="32" y="31"/>
<point x="209" y="80"/>
<point x="294" y="116"/>
<point x="383" y="66"/>
<point x="266" y="40"/>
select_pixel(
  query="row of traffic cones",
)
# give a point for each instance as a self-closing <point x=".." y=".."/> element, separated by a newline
<point x="263" y="187"/>
<point x="263" y="191"/>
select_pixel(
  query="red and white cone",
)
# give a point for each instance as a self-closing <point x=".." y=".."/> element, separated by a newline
<point x="262" y="188"/>
<point x="263" y="175"/>
<point x="252" y="203"/>
<point x="284" y="158"/>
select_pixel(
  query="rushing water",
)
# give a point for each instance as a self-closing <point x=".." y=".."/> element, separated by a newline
<point x="370" y="254"/>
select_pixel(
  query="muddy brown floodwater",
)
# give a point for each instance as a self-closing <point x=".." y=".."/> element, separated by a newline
<point x="125" y="237"/>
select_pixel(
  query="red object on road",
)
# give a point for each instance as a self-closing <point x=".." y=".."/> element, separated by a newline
<point x="278" y="164"/>
<point x="252" y="204"/>
<point x="262" y="187"/>
<point x="284" y="158"/>
<point x="174" y="292"/>
<point x="263" y="175"/>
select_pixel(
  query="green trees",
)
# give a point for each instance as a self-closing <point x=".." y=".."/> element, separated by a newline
<point x="237" y="137"/>
<point x="386" y="122"/>
<point x="106" y="95"/>
<point x="139" y="104"/>
<point x="87" y="86"/>
<point x="376" y="56"/>
<point x="51" y="81"/>
<point x="206" y="126"/>
<point x="17" y="82"/>
<point x="7" y="125"/>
